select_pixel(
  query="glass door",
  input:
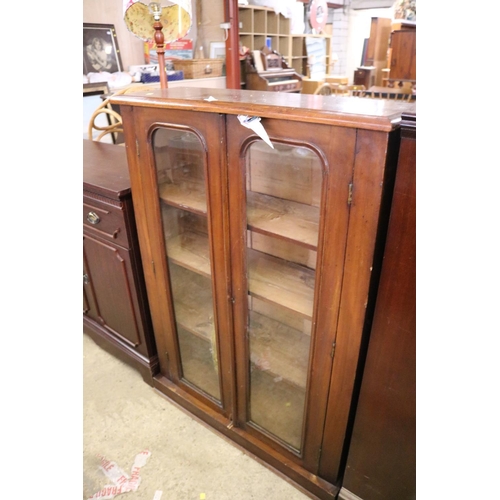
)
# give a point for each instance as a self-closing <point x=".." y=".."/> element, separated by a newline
<point x="283" y="195"/>
<point x="288" y="218"/>
<point x="180" y="160"/>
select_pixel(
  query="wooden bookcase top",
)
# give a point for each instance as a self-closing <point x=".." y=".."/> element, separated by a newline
<point x="364" y="113"/>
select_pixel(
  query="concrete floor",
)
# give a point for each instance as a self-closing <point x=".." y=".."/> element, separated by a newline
<point x="123" y="417"/>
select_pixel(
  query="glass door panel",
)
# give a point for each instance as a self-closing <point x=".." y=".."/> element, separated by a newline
<point x="283" y="193"/>
<point x="180" y="166"/>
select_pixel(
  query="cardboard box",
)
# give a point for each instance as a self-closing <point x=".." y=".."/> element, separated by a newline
<point x="180" y="49"/>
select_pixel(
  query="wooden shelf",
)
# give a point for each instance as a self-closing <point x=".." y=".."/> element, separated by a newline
<point x="270" y="278"/>
<point x="290" y="220"/>
<point x="190" y="250"/>
<point x="285" y="283"/>
<point x="276" y="349"/>
<point x="200" y="366"/>
<point x="189" y="196"/>
<point x="279" y="349"/>
<point x="277" y="407"/>
<point x="260" y="22"/>
<point x="193" y="302"/>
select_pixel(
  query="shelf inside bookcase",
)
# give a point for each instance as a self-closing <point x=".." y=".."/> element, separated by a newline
<point x="270" y="278"/>
<point x="190" y="250"/>
<point x="186" y="195"/>
<point x="284" y="218"/>
<point x="193" y="303"/>
<point x="199" y="363"/>
<point x="285" y="283"/>
<point x="279" y="349"/>
<point x="277" y="406"/>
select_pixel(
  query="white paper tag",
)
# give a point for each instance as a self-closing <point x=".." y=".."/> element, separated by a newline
<point x="253" y="123"/>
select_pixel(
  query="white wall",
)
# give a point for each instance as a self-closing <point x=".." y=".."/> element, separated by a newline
<point x="340" y="32"/>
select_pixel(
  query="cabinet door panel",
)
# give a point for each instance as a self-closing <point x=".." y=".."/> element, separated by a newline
<point x="180" y="171"/>
<point x="110" y="279"/>
<point x="182" y="229"/>
<point x="278" y="200"/>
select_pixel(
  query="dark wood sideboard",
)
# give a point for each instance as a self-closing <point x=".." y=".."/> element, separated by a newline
<point x="381" y="464"/>
<point x="115" y="307"/>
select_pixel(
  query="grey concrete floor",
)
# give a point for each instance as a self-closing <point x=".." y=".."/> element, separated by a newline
<point x="123" y="416"/>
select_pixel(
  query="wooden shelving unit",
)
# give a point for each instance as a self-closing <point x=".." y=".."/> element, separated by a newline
<point x="259" y="23"/>
<point x="260" y="262"/>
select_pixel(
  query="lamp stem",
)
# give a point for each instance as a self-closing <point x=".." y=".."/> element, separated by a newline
<point x="160" y="50"/>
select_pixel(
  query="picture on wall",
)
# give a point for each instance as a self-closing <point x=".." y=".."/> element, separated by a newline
<point x="217" y="50"/>
<point x="100" y="49"/>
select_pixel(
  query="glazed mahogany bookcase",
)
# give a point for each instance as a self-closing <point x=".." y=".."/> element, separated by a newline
<point x="260" y="261"/>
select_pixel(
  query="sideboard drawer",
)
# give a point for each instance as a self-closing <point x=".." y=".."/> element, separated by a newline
<point x="105" y="219"/>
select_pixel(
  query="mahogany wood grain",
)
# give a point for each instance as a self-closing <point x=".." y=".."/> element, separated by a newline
<point x="209" y="129"/>
<point x="337" y="144"/>
<point x="381" y="464"/>
<point x="306" y="108"/>
<point x="372" y="186"/>
<point x="116" y="312"/>
<point x="404" y="55"/>
<point x="356" y="143"/>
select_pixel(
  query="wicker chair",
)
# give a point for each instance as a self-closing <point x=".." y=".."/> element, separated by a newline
<point x="115" y="125"/>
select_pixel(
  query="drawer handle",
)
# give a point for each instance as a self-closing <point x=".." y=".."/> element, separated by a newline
<point x="93" y="218"/>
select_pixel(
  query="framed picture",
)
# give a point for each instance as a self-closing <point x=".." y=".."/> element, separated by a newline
<point x="217" y="50"/>
<point x="100" y="49"/>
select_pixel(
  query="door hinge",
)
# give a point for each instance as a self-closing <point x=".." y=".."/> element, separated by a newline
<point x="349" y="196"/>
<point x="137" y="148"/>
<point x="154" y="270"/>
<point x="332" y="353"/>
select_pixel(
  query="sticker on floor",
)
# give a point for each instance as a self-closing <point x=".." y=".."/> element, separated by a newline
<point x="122" y="482"/>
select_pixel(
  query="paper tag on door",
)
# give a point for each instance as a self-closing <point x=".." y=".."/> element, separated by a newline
<point x="253" y="123"/>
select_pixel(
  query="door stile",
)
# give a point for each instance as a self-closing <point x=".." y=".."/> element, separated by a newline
<point x="339" y="150"/>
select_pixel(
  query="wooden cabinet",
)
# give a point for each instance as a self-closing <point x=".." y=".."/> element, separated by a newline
<point x="403" y="61"/>
<point x="365" y="75"/>
<point x="259" y="260"/>
<point x="381" y="464"/>
<point x="258" y="24"/>
<point x="378" y="44"/>
<point x="115" y="308"/>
